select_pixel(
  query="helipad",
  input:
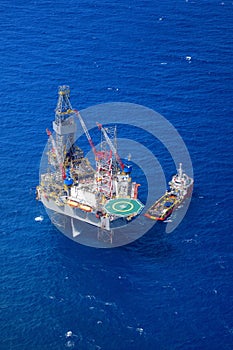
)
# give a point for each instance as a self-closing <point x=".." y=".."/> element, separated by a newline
<point x="124" y="206"/>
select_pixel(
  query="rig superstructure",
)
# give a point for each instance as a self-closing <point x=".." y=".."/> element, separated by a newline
<point x="105" y="196"/>
<point x="101" y="195"/>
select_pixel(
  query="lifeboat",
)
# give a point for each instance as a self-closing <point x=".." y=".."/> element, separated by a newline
<point x="72" y="203"/>
<point x="85" y="207"/>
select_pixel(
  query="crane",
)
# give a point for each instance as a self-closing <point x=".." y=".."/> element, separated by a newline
<point x="112" y="147"/>
<point x="86" y="131"/>
<point x="103" y="163"/>
<point x="59" y="160"/>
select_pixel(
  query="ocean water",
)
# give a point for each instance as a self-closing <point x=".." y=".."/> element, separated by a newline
<point x="164" y="291"/>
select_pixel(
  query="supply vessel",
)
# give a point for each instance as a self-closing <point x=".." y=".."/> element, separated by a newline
<point x="104" y="196"/>
<point x="180" y="188"/>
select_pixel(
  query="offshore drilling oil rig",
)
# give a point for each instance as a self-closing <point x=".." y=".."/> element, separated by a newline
<point x="104" y="196"/>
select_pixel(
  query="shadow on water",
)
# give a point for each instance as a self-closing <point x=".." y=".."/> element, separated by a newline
<point x="154" y="245"/>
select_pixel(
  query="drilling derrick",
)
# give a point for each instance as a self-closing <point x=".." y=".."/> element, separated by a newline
<point x="104" y="176"/>
<point x="105" y="166"/>
<point x="111" y="135"/>
<point x="105" y="132"/>
<point x="64" y="124"/>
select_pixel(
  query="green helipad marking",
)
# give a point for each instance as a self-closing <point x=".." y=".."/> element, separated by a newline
<point x="123" y="206"/>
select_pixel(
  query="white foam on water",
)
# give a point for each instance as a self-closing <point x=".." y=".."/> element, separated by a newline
<point x="140" y="330"/>
<point x="39" y="218"/>
<point x="70" y="344"/>
<point x="69" y="334"/>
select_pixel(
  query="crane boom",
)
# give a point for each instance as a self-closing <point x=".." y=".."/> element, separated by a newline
<point x="86" y="131"/>
<point x="49" y="133"/>
<point x="112" y="147"/>
<point x="59" y="160"/>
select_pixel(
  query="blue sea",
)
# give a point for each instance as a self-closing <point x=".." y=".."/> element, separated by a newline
<point x="163" y="291"/>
